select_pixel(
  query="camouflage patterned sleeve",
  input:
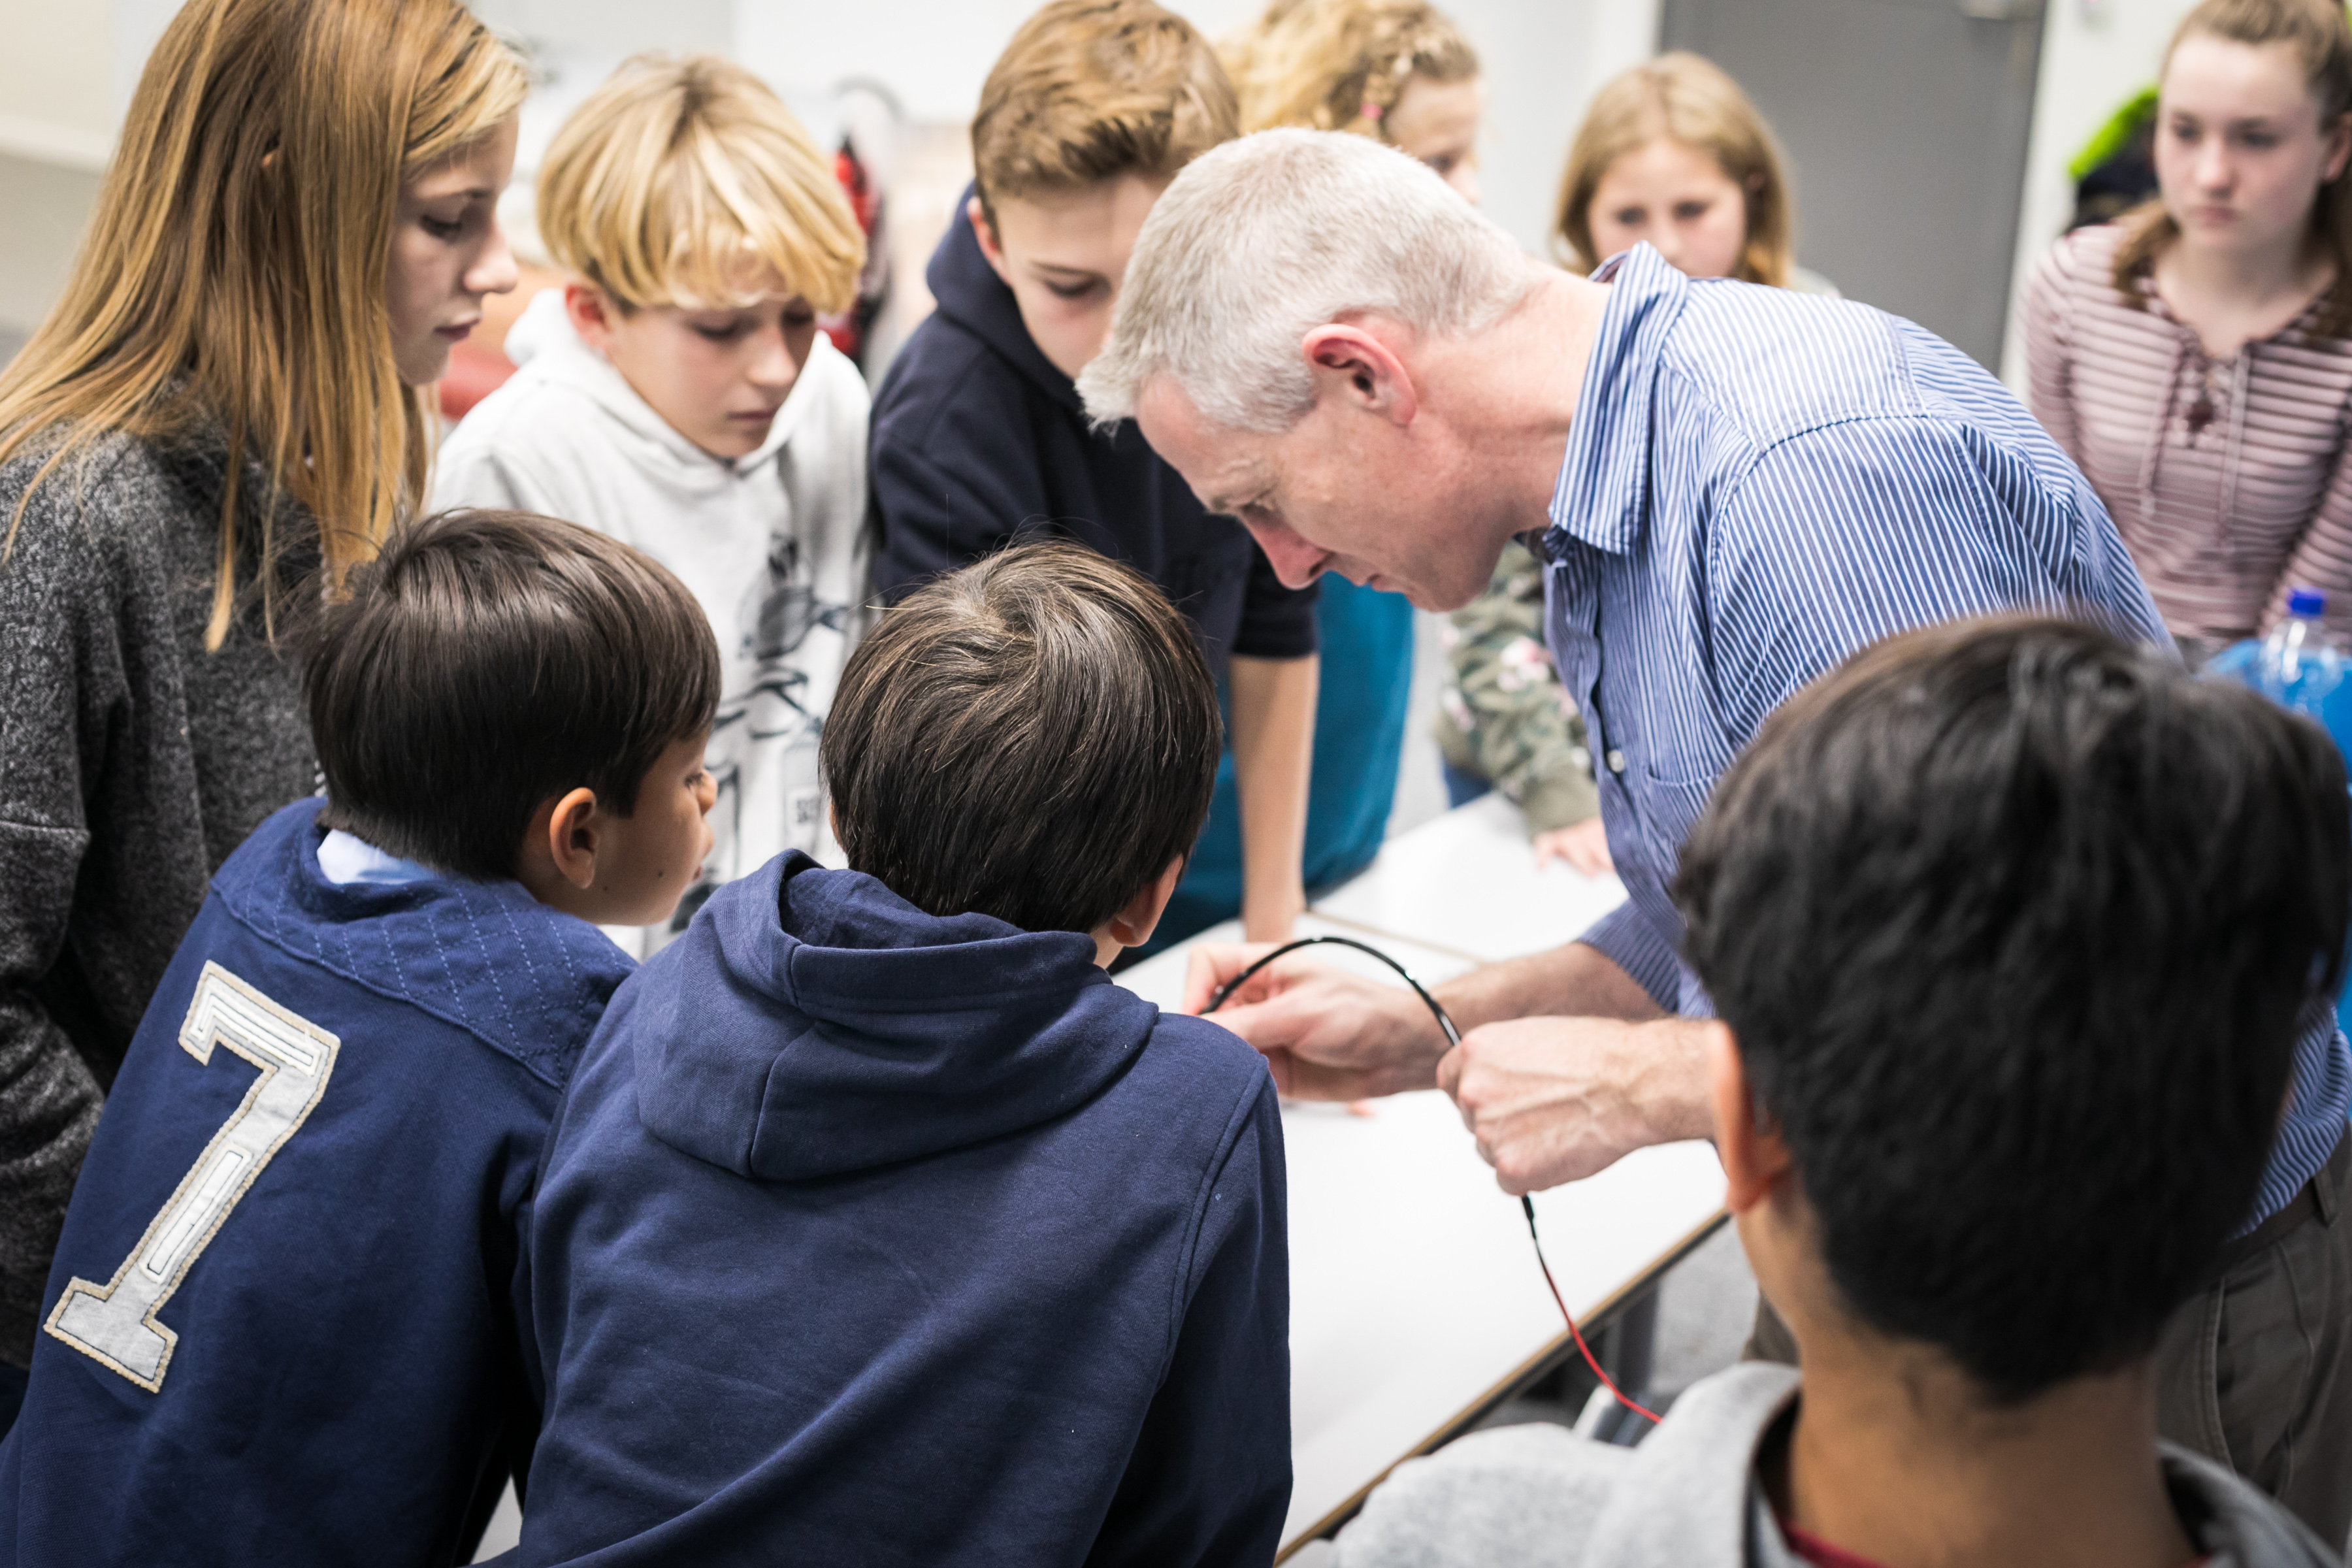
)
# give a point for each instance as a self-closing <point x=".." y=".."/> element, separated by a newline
<point x="1502" y="714"/>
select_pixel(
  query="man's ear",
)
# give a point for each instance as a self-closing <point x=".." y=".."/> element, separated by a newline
<point x="1133" y="926"/>
<point x="991" y="251"/>
<point x="590" y="311"/>
<point x="1352" y="363"/>
<point x="1755" y="1161"/>
<point x="564" y="835"/>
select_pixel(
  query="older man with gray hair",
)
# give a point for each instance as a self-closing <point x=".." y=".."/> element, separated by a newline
<point x="1734" y="487"/>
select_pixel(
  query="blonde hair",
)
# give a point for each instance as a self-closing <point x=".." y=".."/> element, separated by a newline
<point x="1682" y="97"/>
<point x="2316" y="33"/>
<point x="1092" y="89"/>
<point x="234" y="272"/>
<point x="679" y="181"/>
<point x="1342" y="64"/>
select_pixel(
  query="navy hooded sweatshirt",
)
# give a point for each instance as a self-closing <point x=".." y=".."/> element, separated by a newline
<point x="288" y="1321"/>
<point x="873" y="1238"/>
<point x="977" y="436"/>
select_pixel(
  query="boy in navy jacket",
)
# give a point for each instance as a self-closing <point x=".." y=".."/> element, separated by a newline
<point x="284" y="1321"/>
<point x="978" y="434"/>
<point x="879" y="1225"/>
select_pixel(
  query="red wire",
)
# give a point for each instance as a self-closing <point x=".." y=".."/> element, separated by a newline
<point x="1570" y="1318"/>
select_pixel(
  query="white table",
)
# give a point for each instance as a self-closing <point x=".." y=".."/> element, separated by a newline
<point x="1415" y="1296"/>
<point x="1468" y="883"/>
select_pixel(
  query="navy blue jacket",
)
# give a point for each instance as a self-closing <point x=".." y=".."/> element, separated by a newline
<point x="976" y="437"/>
<point x="873" y="1238"/>
<point x="285" y="1322"/>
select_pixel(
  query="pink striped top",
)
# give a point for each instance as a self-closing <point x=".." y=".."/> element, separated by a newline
<point x="2227" y="478"/>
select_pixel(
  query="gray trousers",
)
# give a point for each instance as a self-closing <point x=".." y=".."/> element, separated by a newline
<point x="2254" y="1372"/>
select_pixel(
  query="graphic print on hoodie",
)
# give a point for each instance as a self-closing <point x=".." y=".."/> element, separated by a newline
<point x="773" y="546"/>
<point x="978" y="437"/>
<point x="288" y="1318"/>
<point x="874" y="1238"/>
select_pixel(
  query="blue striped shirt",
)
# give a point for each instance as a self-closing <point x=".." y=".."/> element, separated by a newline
<point x="1759" y="483"/>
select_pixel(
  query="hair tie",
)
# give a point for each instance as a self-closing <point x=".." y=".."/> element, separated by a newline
<point x="1371" y="111"/>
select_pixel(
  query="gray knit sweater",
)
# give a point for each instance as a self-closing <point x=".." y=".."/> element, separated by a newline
<point x="131" y="761"/>
<point x="1541" y="1496"/>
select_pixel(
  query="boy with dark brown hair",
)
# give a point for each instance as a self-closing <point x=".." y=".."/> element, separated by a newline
<point x="287" y="1323"/>
<point x="978" y="435"/>
<point x="881" y="1226"/>
<point x="2014" y="929"/>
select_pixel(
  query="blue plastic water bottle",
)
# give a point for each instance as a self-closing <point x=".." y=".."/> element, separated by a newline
<point x="2301" y="664"/>
<point x="2299" y="667"/>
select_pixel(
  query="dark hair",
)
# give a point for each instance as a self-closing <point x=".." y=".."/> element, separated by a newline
<point x="2015" y="925"/>
<point x="488" y="660"/>
<point x="1035" y="737"/>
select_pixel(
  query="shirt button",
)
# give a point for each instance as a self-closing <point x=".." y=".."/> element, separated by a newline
<point x="1616" y="760"/>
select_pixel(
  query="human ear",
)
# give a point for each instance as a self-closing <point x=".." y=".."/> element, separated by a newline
<point x="590" y="313"/>
<point x="571" y="837"/>
<point x="1755" y="1161"/>
<point x="1133" y="926"/>
<point x="1354" y="361"/>
<point x="991" y="251"/>
<point x="2339" y="148"/>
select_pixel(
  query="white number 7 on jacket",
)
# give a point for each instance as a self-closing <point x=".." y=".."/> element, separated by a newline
<point x="114" y="1323"/>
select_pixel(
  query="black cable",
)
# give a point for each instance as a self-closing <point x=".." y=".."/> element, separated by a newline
<point x="1218" y="998"/>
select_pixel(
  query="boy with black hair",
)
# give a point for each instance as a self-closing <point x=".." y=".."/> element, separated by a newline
<point x="285" y="1321"/>
<point x="2012" y="928"/>
<point x="880" y="1227"/>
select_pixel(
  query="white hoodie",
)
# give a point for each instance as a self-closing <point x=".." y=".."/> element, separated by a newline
<point x="774" y="546"/>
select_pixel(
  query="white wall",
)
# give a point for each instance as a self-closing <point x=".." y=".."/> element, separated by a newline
<point x="71" y="64"/>
<point x="2095" y="55"/>
<point x="1544" y="59"/>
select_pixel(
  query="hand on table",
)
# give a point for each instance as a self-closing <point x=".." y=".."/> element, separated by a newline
<point x="1555" y="1099"/>
<point x="1326" y="1033"/>
<point x="1583" y="846"/>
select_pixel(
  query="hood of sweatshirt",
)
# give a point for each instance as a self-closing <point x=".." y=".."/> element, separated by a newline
<point x="811" y="1023"/>
<point x="543" y="339"/>
<point x="972" y="295"/>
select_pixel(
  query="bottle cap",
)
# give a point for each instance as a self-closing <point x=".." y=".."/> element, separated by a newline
<point x="2306" y="602"/>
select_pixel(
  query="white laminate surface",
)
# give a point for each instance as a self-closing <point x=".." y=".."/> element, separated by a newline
<point x="1468" y="883"/>
<point x="1415" y="1291"/>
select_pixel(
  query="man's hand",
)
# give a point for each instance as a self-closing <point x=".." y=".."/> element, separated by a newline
<point x="1555" y="1099"/>
<point x="1583" y="847"/>
<point x="1328" y="1035"/>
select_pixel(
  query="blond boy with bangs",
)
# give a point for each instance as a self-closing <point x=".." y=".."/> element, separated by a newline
<point x="677" y="394"/>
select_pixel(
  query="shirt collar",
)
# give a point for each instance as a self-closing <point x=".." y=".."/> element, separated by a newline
<point x="1602" y="491"/>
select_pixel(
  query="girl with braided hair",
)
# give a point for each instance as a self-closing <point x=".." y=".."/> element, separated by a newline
<point x="1394" y="70"/>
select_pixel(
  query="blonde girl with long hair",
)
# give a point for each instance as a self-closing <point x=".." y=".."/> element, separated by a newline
<point x="1673" y="152"/>
<point x="2195" y="357"/>
<point x="226" y="408"/>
